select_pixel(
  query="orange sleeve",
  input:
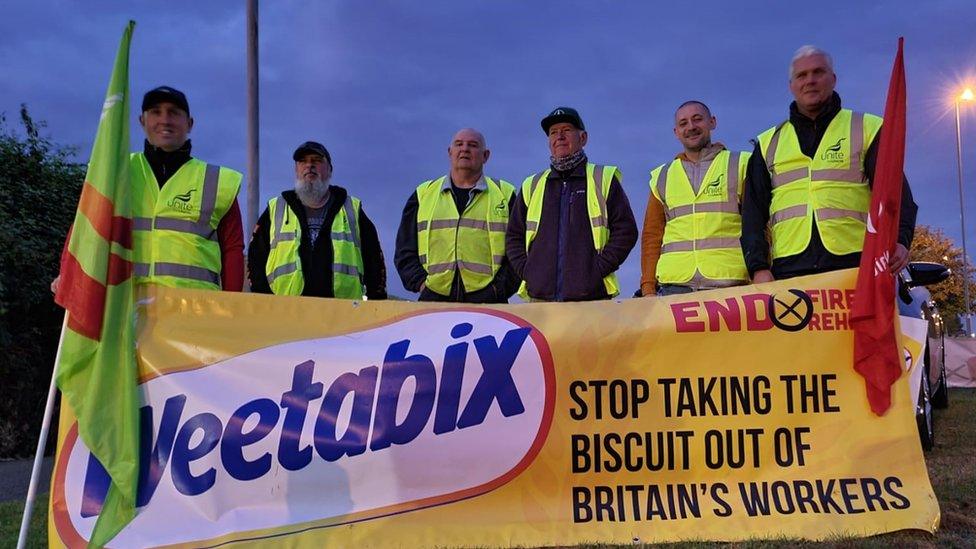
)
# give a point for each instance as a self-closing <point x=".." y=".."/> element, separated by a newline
<point x="651" y="238"/>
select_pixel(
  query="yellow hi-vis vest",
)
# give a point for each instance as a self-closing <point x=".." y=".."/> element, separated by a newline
<point x="596" y="208"/>
<point x="701" y="237"/>
<point x="174" y="229"/>
<point x="473" y="242"/>
<point x="284" y="265"/>
<point x="831" y="187"/>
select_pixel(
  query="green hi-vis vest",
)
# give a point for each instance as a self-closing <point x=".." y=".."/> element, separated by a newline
<point x="473" y="242"/>
<point x="284" y="266"/>
<point x="702" y="231"/>
<point x="831" y="187"/>
<point x="596" y="208"/>
<point x="174" y="228"/>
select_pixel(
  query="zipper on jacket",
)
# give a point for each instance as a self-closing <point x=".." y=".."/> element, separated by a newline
<point x="563" y="207"/>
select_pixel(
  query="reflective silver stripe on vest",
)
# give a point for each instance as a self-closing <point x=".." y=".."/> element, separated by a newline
<point x="353" y="222"/>
<point x="834" y="213"/>
<point x="279" y="235"/>
<point x="186" y="226"/>
<point x="601" y="220"/>
<point x="282" y="271"/>
<point x="497" y="226"/>
<point x="682" y="246"/>
<point x="771" y="149"/>
<point x="847" y="176"/>
<point x="346" y="237"/>
<point x="800" y="210"/>
<point x="141" y="269"/>
<point x="421" y="226"/>
<point x="200" y="227"/>
<point x="479" y="268"/>
<point x="702" y="244"/>
<point x="662" y="181"/>
<point x="141" y="223"/>
<point x="680" y="211"/>
<point x="190" y="272"/>
<point x="350" y="270"/>
<point x="706" y="207"/>
<point x="532" y="225"/>
<point x="717" y="242"/>
<point x="443" y="224"/>
<point x="479" y="224"/>
<point x="733" y="179"/>
<point x="780" y="179"/>
<point x="352" y="236"/>
<point x="422" y="258"/>
<point x="437" y="268"/>
<point x="535" y="183"/>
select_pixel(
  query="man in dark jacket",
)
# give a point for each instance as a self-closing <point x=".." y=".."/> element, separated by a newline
<point x="572" y="226"/>
<point x="316" y="240"/>
<point x="822" y="185"/>
<point x="451" y="241"/>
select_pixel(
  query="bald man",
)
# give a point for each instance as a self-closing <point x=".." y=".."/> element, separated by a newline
<point x="451" y="242"/>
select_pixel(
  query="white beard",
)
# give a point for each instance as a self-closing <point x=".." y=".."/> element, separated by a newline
<point x="311" y="194"/>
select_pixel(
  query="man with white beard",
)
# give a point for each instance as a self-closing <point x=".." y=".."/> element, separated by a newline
<point x="316" y="240"/>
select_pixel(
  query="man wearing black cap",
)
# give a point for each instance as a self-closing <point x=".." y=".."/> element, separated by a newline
<point x="186" y="230"/>
<point x="316" y="240"/>
<point x="572" y="226"/>
<point x="187" y="223"/>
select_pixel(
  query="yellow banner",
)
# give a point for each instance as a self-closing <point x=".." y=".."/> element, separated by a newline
<point x="723" y="415"/>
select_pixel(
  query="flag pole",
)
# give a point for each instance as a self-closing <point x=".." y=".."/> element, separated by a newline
<point x="253" y="160"/>
<point x="41" y="443"/>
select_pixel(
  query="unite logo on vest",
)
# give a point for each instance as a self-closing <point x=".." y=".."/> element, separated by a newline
<point x="715" y="188"/>
<point x="426" y="410"/>
<point x="181" y="202"/>
<point x="834" y="152"/>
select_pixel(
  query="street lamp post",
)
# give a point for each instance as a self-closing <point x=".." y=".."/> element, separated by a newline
<point x="966" y="95"/>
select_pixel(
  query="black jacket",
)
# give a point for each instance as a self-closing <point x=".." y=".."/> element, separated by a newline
<point x="562" y="264"/>
<point x="317" y="258"/>
<point x="413" y="274"/>
<point x="758" y="195"/>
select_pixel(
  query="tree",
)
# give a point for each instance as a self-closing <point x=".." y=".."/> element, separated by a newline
<point x="931" y="244"/>
<point x="39" y="189"/>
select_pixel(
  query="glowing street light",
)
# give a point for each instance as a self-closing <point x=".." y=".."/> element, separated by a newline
<point x="967" y="95"/>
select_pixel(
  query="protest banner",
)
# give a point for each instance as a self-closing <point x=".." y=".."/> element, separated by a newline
<point x="724" y="415"/>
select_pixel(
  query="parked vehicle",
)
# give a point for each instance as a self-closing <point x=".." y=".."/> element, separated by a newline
<point x="914" y="300"/>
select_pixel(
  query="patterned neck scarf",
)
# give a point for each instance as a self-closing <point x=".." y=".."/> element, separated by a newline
<point x="568" y="163"/>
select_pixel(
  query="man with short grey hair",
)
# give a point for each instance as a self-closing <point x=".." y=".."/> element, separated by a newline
<point x="809" y="181"/>
<point x="451" y="241"/>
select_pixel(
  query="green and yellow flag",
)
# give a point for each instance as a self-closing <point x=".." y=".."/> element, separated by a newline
<point x="97" y="370"/>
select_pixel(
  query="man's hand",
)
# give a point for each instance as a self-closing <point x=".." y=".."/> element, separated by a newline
<point x="764" y="275"/>
<point x="55" y="284"/>
<point x="899" y="259"/>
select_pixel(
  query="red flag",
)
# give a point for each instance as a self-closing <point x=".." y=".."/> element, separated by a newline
<point x="876" y="354"/>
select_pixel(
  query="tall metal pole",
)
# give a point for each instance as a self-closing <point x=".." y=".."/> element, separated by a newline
<point x="253" y="160"/>
<point x="962" y="221"/>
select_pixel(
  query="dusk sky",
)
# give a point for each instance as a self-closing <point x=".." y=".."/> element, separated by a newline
<point x="384" y="85"/>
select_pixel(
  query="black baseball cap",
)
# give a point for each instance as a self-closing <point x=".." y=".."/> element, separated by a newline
<point x="164" y="94"/>
<point x="562" y="114"/>
<point x="311" y="147"/>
